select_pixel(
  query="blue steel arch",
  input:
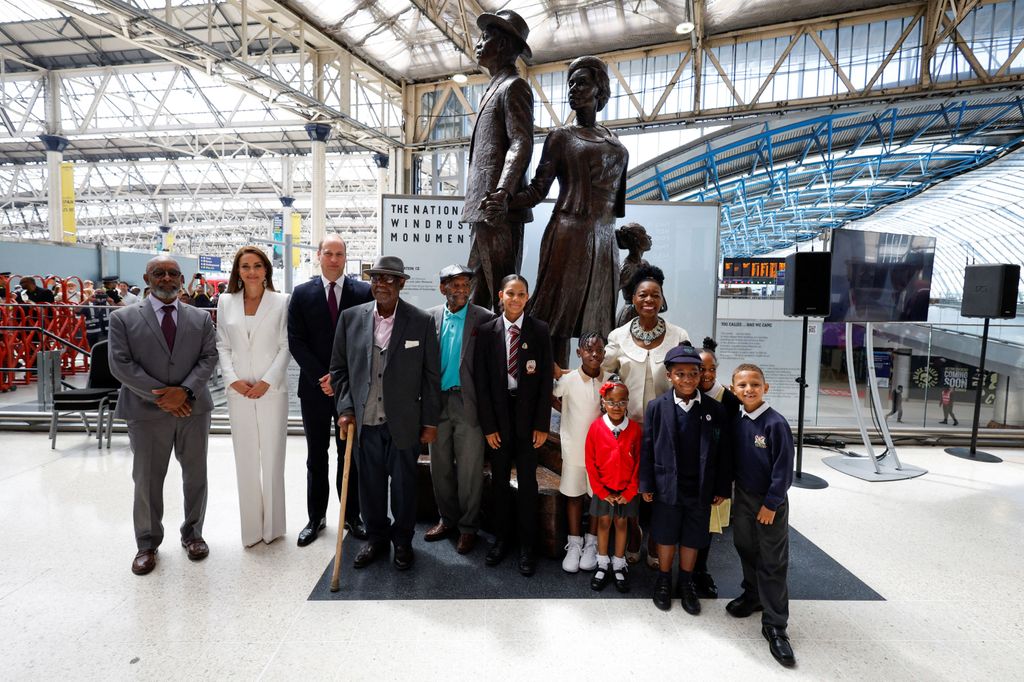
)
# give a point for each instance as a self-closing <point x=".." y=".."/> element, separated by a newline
<point x="787" y="180"/>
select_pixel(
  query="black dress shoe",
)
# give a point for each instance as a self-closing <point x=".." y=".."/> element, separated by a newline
<point x="778" y="644"/>
<point x="527" y="562"/>
<point x="369" y="553"/>
<point x="403" y="557"/>
<point x="496" y="554"/>
<point x="357" y="530"/>
<point x="602" y="576"/>
<point x="621" y="576"/>
<point x="706" y="587"/>
<point x="663" y="592"/>
<point x="742" y="606"/>
<point x="689" y="600"/>
<point x="309" y="533"/>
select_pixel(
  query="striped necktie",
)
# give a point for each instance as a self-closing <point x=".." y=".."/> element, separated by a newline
<point x="513" y="351"/>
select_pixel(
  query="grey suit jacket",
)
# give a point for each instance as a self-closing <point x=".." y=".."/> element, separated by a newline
<point x="475" y="316"/>
<point x="140" y="359"/>
<point x="412" y="376"/>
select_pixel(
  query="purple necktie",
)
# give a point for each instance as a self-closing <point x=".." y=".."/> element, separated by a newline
<point x="332" y="305"/>
<point x="168" y="326"/>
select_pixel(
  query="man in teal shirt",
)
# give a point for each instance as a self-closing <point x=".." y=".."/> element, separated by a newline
<point x="457" y="456"/>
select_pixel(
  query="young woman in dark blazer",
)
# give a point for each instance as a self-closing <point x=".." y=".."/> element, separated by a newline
<point x="513" y="377"/>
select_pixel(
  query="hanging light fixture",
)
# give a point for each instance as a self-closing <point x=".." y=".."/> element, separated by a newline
<point x="686" y="26"/>
<point x="460" y="78"/>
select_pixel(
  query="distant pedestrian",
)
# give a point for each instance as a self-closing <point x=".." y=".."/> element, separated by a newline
<point x="897" y="404"/>
<point x="946" y="400"/>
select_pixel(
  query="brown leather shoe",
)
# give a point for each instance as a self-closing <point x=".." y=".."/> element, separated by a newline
<point x="197" y="548"/>
<point x="144" y="562"/>
<point x="438" y="532"/>
<point x="467" y="541"/>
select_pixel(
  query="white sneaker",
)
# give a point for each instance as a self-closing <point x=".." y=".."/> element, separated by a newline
<point x="573" y="552"/>
<point x="588" y="562"/>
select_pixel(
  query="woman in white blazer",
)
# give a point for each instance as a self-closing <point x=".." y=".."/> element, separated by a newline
<point x="252" y="340"/>
<point x="636" y="352"/>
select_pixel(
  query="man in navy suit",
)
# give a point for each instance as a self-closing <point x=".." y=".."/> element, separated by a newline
<point x="313" y="315"/>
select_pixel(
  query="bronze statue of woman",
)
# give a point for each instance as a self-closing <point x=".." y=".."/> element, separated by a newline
<point x="577" y="276"/>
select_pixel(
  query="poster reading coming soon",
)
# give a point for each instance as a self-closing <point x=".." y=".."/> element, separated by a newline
<point x="426" y="234"/>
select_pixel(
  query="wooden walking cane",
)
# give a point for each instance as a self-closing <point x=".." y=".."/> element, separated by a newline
<point x="350" y="436"/>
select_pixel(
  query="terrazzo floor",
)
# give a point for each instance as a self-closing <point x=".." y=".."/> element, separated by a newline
<point x="945" y="552"/>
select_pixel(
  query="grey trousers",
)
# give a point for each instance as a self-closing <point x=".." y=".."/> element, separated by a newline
<point x="152" y="441"/>
<point x="764" y="554"/>
<point x="457" y="466"/>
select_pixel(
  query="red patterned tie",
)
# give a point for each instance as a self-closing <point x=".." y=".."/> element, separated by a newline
<point x="332" y="305"/>
<point x="513" y="352"/>
<point x="168" y="326"/>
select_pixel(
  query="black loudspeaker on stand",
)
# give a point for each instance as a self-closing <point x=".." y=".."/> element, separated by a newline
<point x="808" y="292"/>
<point x="990" y="291"/>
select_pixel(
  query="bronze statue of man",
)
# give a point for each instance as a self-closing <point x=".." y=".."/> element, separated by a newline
<point x="499" y="154"/>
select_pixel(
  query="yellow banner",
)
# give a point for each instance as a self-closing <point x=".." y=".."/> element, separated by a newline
<point x="296" y="235"/>
<point x="169" y="241"/>
<point x="67" y="202"/>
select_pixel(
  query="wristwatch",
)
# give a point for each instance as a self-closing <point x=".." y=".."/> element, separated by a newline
<point x="188" y="392"/>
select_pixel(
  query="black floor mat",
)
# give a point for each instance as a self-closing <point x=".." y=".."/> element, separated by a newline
<point x="441" y="573"/>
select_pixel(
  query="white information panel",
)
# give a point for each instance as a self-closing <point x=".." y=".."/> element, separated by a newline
<point x="426" y="234"/>
<point x="773" y="345"/>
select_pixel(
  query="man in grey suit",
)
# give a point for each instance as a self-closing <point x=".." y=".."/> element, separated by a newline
<point x="499" y="154"/>
<point x="385" y="375"/>
<point x="457" y="456"/>
<point x="164" y="353"/>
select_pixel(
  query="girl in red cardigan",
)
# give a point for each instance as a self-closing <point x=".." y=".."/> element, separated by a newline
<point x="613" y="466"/>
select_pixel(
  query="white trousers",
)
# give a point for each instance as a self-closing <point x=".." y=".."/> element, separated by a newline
<point x="259" y="431"/>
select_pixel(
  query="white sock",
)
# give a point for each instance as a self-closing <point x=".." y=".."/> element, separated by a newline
<point x="578" y="540"/>
<point x="591" y="539"/>
<point x="602" y="561"/>
<point x="618" y="563"/>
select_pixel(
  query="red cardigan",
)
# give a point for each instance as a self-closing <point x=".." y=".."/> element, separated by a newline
<point x="613" y="463"/>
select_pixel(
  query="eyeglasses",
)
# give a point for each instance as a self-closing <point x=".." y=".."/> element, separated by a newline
<point x="384" y="279"/>
<point x="165" y="273"/>
<point x="616" y="403"/>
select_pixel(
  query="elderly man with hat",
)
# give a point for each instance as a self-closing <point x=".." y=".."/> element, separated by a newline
<point x="385" y="372"/>
<point x="499" y="154"/>
<point x="457" y="456"/>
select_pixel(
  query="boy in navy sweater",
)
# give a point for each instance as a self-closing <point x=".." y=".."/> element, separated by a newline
<point x="763" y="470"/>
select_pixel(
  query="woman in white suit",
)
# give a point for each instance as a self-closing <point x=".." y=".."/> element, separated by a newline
<point x="252" y="339"/>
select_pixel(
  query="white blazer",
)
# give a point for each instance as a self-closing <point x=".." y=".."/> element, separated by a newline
<point x="261" y="355"/>
<point x="624" y="357"/>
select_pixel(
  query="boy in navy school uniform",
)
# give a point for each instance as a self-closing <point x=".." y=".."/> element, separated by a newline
<point x="763" y="446"/>
<point x="684" y="470"/>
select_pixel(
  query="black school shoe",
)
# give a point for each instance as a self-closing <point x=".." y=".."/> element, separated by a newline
<point x="663" y="592"/>
<point x="742" y="606"/>
<point x="602" y="576"/>
<point x="778" y="644"/>
<point x="621" y="579"/>
<point x="706" y="587"/>
<point x="689" y="600"/>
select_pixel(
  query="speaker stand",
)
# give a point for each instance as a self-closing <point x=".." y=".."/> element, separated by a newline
<point x="972" y="453"/>
<point x="858" y="467"/>
<point x="800" y="479"/>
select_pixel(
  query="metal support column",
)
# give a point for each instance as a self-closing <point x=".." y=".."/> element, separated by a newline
<point x="55" y="146"/>
<point x="318" y="133"/>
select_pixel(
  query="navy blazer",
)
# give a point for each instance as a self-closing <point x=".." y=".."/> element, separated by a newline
<point x="658" y="471"/>
<point x="534" y="390"/>
<point x="311" y="334"/>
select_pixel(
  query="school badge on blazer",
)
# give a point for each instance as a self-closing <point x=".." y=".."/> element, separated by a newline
<point x="531" y="366"/>
<point x="760" y="442"/>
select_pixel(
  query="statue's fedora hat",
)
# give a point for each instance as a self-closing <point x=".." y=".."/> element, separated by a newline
<point x="510" y="22"/>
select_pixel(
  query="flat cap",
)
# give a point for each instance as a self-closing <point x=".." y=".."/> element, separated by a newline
<point x="450" y="271"/>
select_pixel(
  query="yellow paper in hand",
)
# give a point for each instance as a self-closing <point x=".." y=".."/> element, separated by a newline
<point x="720" y="516"/>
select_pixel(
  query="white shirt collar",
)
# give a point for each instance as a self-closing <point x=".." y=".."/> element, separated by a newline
<point x="686" y="406"/>
<point x="517" y="322"/>
<point x="158" y="304"/>
<point x="327" y="283"/>
<point x="612" y="427"/>
<point x="756" y="413"/>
